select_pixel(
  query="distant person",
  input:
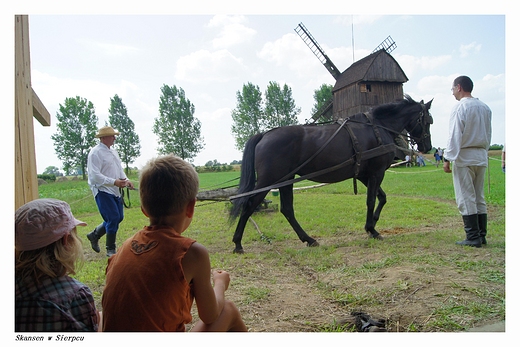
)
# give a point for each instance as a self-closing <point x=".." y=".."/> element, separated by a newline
<point x="420" y="160"/>
<point x="47" y="250"/>
<point x="105" y="177"/>
<point x="152" y="281"/>
<point x="504" y="159"/>
<point x="441" y="153"/>
<point x="437" y="157"/>
<point x="408" y="161"/>
<point x="469" y="138"/>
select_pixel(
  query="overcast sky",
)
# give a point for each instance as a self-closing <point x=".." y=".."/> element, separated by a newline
<point x="212" y="56"/>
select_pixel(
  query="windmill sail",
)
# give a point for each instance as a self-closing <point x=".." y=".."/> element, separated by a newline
<point x="388" y="45"/>
<point x="306" y="36"/>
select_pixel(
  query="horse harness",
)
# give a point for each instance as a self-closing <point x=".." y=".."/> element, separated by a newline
<point x="359" y="155"/>
<point x="424" y="117"/>
<point x="368" y="154"/>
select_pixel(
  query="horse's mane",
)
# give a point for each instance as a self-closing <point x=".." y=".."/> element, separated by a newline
<point x="390" y="109"/>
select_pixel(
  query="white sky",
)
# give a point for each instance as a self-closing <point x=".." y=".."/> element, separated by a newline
<point x="212" y="56"/>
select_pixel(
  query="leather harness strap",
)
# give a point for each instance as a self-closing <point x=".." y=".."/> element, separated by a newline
<point x="357" y="152"/>
<point x="358" y="156"/>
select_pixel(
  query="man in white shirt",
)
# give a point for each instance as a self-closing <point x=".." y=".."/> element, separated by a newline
<point x="468" y="143"/>
<point x="105" y="177"/>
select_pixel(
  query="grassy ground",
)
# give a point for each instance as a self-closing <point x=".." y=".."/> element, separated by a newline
<point x="417" y="278"/>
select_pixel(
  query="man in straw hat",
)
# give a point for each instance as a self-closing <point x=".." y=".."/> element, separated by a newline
<point x="105" y="177"/>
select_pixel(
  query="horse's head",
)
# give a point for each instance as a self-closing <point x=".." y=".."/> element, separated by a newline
<point x="419" y="127"/>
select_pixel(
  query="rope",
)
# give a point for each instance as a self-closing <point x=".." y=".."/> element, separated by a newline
<point x="218" y="184"/>
<point x="211" y="202"/>
<point x="122" y="192"/>
<point x="422" y="171"/>
<point x="86" y="196"/>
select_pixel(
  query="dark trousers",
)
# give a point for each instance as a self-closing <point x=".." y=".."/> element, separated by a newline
<point x="111" y="209"/>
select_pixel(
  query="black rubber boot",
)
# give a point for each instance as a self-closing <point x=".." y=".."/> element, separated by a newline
<point x="94" y="237"/>
<point x="472" y="232"/>
<point x="111" y="244"/>
<point x="482" y="223"/>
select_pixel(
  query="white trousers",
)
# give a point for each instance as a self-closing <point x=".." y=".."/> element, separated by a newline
<point x="468" y="182"/>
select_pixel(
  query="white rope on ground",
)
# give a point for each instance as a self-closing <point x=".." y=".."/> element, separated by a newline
<point x="87" y="196"/>
<point x="412" y="172"/>
<point x="402" y="162"/>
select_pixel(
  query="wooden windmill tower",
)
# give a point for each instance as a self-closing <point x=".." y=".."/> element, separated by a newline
<point x="371" y="81"/>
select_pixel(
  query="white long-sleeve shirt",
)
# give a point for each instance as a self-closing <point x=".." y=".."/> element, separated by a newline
<point x="103" y="168"/>
<point x="469" y="135"/>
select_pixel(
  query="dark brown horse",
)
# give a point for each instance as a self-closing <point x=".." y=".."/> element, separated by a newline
<point x="360" y="147"/>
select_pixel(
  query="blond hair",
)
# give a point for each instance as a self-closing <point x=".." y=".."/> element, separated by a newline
<point x="55" y="260"/>
<point x="166" y="185"/>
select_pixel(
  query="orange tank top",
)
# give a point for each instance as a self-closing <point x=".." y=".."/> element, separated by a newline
<point x="145" y="287"/>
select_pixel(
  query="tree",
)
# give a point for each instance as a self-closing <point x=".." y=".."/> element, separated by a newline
<point x="248" y="115"/>
<point x="127" y="143"/>
<point x="178" y="130"/>
<point x="212" y="163"/>
<point x="280" y="108"/>
<point x="52" y="170"/>
<point x="77" y="126"/>
<point x="322" y="96"/>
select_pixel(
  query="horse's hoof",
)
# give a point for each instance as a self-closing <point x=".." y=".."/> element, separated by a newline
<point x="377" y="236"/>
<point x="238" y="251"/>
<point x="314" y="244"/>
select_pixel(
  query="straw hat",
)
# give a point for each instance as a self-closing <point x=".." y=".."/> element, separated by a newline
<point x="106" y="131"/>
<point x="41" y="222"/>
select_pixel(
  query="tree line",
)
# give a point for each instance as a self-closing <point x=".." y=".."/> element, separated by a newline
<point x="178" y="131"/>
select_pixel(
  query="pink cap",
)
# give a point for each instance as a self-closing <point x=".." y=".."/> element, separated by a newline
<point x="41" y="222"/>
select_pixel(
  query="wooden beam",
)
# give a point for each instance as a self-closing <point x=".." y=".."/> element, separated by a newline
<point x="39" y="111"/>
<point x="26" y="183"/>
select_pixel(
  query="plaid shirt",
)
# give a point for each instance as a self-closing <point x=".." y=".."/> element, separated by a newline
<point x="54" y="304"/>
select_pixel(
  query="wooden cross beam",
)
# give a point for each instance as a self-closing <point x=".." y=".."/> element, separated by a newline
<point x="27" y="106"/>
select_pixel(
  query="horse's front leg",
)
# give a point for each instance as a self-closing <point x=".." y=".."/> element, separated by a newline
<point x="381" y="197"/>
<point x="287" y="209"/>
<point x="373" y="192"/>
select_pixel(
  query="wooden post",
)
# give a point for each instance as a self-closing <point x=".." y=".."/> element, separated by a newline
<point x="27" y="106"/>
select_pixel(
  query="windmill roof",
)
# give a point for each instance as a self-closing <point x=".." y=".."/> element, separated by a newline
<point x="379" y="66"/>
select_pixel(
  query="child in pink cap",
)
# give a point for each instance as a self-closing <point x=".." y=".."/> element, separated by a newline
<point x="47" y="249"/>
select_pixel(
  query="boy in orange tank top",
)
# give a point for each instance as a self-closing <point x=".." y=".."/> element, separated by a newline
<point x="152" y="280"/>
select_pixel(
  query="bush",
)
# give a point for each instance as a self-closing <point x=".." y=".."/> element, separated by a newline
<point x="47" y="177"/>
<point x="214" y="168"/>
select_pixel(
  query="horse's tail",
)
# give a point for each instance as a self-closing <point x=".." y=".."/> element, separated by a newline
<point x="247" y="176"/>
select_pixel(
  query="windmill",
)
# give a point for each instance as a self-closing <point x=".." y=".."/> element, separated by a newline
<point x="359" y="73"/>
<point x="368" y="82"/>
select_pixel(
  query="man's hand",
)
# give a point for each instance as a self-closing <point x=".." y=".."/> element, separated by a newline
<point x="446" y="167"/>
<point x="122" y="183"/>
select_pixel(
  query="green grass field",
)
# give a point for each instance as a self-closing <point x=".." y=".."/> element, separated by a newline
<point x="417" y="278"/>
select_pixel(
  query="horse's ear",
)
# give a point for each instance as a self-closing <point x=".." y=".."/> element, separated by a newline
<point x="422" y="102"/>
<point x="429" y="104"/>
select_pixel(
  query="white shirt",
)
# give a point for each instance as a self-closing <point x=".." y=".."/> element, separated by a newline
<point x="103" y="168"/>
<point x="469" y="133"/>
